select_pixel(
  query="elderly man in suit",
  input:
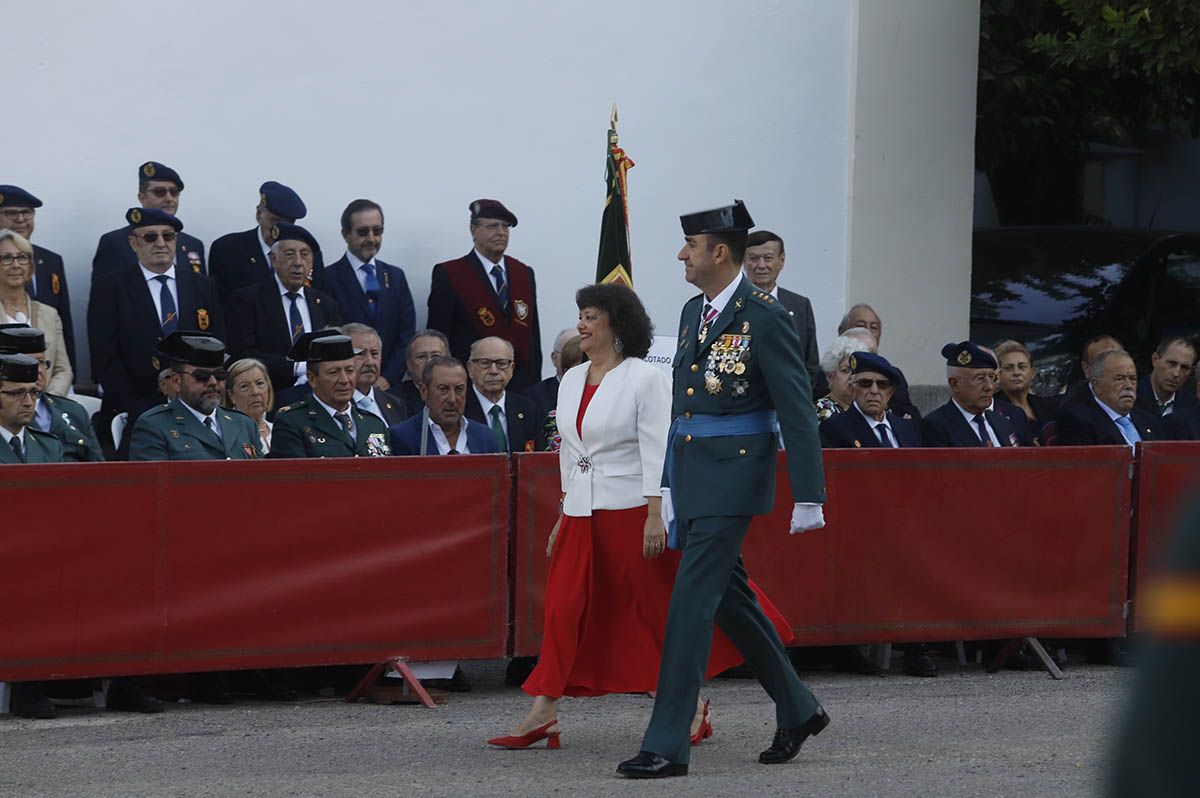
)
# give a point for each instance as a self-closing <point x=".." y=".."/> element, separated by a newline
<point x="239" y="260"/>
<point x="967" y="419"/>
<point x="867" y="424"/>
<point x="159" y="187"/>
<point x="513" y="418"/>
<point x="326" y="423"/>
<point x="49" y="284"/>
<point x="370" y="291"/>
<point x="267" y="319"/>
<point x="545" y="393"/>
<point x="134" y="307"/>
<point x="1112" y="416"/>
<point x="489" y="292"/>
<point x="764" y="261"/>
<point x="424" y="346"/>
<point x="368" y="396"/>
<point x="444" y="428"/>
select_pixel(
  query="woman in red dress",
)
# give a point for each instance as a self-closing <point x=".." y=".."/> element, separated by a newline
<point x="611" y="576"/>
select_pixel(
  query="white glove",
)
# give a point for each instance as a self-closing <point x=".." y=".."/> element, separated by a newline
<point x="668" y="509"/>
<point x="806" y="516"/>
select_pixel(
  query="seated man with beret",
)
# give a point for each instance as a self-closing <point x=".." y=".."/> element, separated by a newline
<point x="967" y="419"/>
<point x="193" y="425"/>
<point x="63" y="418"/>
<point x="326" y="423"/>
<point x="159" y="187"/>
<point x="868" y="424"/>
<point x="443" y="427"/>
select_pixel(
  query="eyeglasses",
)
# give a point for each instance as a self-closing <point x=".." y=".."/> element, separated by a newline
<point x="248" y="386"/>
<point x="150" y="238"/>
<point x="867" y="382"/>
<point x="23" y="258"/>
<point x="18" y="213"/>
<point x="162" y="191"/>
<point x="486" y="363"/>
<point x="491" y="227"/>
<point x="363" y="232"/>
<point x="204" y="375"/>
<point x="21" y="394"/>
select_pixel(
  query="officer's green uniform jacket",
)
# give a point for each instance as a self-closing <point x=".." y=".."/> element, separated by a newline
<point x="172" y="432"/>
<point x="40" y="447"/>
<point x="305" y="429"/>
<point x="69" y="423"/>
<point x="751" y="359"/>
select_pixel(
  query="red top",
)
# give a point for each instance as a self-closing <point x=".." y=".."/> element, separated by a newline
<point x="588" y="392"/>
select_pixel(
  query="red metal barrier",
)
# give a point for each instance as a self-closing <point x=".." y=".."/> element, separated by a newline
<point x="920" y="545"/>
<point x="1168" y="475"/>
<point x="177" y="567"/>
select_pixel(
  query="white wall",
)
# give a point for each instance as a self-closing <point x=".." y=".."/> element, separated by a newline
<point x="913" y="175"/>
<point x="425" y="106"/>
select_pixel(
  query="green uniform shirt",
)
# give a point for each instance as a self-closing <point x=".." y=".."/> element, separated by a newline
<point x="40" y="447"/>
<point x="69" y="423"/>
<point x="172" y="432"/>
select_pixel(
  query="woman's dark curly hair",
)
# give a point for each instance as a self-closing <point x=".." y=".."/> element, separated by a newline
<point x="626" y="315"/>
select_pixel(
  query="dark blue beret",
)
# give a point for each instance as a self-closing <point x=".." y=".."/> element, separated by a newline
<point x="869" y="361"/>
<point x="968" y="356"/>
<point x="21" y="339"/>
<point x="193" y="348"/>
<point x="281" y="200"/>
<point x="322" y="345"/>
<point x="17" y="197"/>
<point x="492" y="209"/>
<point x="144" y="217"/>
<point x="19" y="368"/>
<point x="730" y="219"/>
<point x="294" y="232"/>
<point x="153" y="170"/>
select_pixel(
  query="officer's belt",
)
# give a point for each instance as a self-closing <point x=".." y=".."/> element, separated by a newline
<point x="700" y="425"/>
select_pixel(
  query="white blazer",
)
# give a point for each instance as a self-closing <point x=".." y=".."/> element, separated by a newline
<point x="619" y="460"/>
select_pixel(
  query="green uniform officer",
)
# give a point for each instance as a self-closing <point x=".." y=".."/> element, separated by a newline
<point x="327" y="423"/>
<point x="63" y="418"/>
<point x="193" y="425"/>
<point x="738" y="373"/>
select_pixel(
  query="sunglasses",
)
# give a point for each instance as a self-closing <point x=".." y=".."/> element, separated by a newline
<point x="363" y="232"/>
<point x="161" y="191"/>
<point x="204" y="375"/>
<point x="883" y="385"/>
<point x="150" y="238"/>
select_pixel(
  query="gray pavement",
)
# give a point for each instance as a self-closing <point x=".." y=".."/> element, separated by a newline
<point x="962" y="734"/>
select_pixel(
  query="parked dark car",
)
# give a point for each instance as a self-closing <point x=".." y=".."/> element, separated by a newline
<point x="1053" y="288"/>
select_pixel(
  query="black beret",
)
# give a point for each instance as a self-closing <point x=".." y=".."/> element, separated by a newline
<point x="193" y="348"/>
<point x="21" y="339"/>
<point x="19" y="368"/>
<point x="869" y="361"/>
<point x="492" y="209"/>
<point x="281" y="201"/>
<point x="730" y="219"/>
<point x="968" y="356"/>
<point x="17" y="197"/>
<point x="146" y="217"/>
<point x="322" y="345"/>
<point x="294" y="232"/>
<point x="153" y="170"/>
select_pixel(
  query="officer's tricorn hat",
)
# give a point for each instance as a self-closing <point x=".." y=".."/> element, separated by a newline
<point x="153" y="170"/>
<point x="146" y="217"/>
<point x="17" y="197"/>
<point x="281" y="201"/>
<point x="21" y="339"/>
<point x="492" y="209"/>
<point x="968" y="356"/>
<point x="322" y="345"/>
<point x="730" y="219"/>
<point x="869" y="361"/>
<point x="193" y="348"/>
<point x="18" y="368"/>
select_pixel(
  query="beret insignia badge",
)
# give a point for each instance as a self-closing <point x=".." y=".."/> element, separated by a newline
<point x="148" y="169"/>
<point x="486" y="317"/>
<point x="274" y="232"/>
<point x="262" y="197"/>
<point x="964" y="358"/>
<point x="853" y="362"/>
<point x="136" y="216"/>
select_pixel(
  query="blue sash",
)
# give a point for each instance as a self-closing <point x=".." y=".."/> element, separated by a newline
<point x="708" y="426"/>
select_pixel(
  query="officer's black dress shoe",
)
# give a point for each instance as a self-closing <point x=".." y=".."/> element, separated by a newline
<point x="787" y="742"/>
<point x="124" y="695"/>
<point x="28" y="700"/>
<point x="650" y="766"/>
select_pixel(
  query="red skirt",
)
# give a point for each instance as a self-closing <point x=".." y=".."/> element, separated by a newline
<point x="606" y="611"/>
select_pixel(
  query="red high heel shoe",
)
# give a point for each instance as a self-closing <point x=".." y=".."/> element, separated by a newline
<point x="706" y="728"/>
<point x="514" y="742"/>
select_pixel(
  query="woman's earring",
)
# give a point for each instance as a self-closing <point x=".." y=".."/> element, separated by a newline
<point x="618" y="347"/>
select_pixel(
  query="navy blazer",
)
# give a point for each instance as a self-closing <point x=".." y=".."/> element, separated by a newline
<point x="800" y="309"/>
<point x="1185" y="399"/>
<point x="410" y="394"/>
<point x="1182" y="425"/>
<point x="521" y="416"/>
<point x="113" y="253"/>
<point x="545" y="395"/>
<point x="946" y="427"/>
<point x="395" y="317"/>
<point x="236" y="261"/>
<point x="850" y="430"/>
<point x="123" y="328"/>
<point x="50" y="280"/>
<point x="1084" y="423"/>
<point x="406" y="438"/>
<point x="259" y="329"/>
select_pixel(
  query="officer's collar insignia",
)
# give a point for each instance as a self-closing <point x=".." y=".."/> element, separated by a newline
<point x="738" y="303"/>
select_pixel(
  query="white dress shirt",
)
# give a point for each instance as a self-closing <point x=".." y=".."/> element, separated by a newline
<point x="266" y="250"/>
<point x="301" y="368"/>
<point x="874" y="425"/>
<point x="970" y="417"/>
<point x="488" y="404"/>
<point x="216" y="424"/>
<point x="487" y="269"/>
<point x="1114" y="415"/>
<point x="719" y="302"/>
<point x="443" y="443"/>
<point x="357" y="266"/>
<point x="154" y="286"/>
<point x="8" y="436"/>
